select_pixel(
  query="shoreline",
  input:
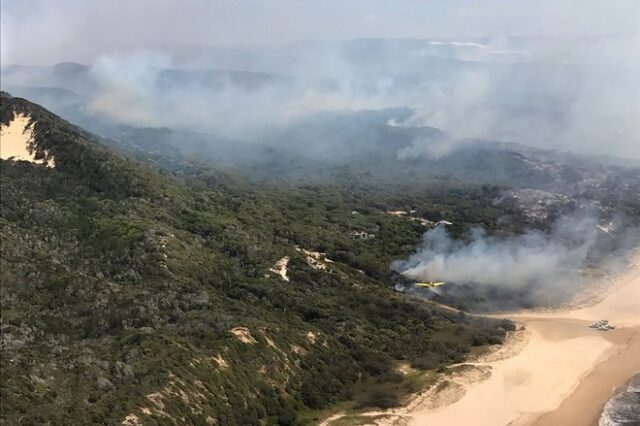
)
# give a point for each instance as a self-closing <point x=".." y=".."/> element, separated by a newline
<point x="586" y="403"/>
<point x="564" y="372"/>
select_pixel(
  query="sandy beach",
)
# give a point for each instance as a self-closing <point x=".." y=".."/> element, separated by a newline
<point x="563" y="373"/>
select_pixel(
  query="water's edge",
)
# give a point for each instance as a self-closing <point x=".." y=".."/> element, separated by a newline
<point x="623" y="409"/>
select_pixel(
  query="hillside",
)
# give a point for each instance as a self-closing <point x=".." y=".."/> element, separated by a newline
<point x="366" y="148"/>
<point x="132" y="296"/>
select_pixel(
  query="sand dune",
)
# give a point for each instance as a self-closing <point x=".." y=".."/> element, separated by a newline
<point x="16" y="141"/>
<point x="281" y="268"/>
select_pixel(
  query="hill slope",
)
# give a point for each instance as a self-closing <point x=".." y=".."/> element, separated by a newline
<point x="129" y="297"/>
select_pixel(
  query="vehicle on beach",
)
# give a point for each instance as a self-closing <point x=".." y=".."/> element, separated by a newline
<point x="602" y="325"/>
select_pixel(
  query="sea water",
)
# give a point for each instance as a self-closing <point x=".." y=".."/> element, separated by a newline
<point x="624" y="408"/>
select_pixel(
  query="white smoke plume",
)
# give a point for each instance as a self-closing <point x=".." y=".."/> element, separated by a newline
<point x="469" y="71"/>
<point x="535" y="260"/>
<point x="140" y="89"/>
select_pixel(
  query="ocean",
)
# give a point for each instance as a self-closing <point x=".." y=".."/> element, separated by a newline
<point x="624" y="408"/>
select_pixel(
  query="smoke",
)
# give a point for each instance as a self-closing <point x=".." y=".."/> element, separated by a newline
<point x="571" y="88"/>
<point x="127" y="88"/>
<point x="429" y="148"/>
<point x="577" y="95"/>
<point x="143" y="89"/>
<point x="545" y="265"/>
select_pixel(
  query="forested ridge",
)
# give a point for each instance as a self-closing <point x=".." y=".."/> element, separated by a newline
<point x="133" y="294"/>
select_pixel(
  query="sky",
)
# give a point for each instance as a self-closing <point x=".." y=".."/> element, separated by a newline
<point x="50" y="31"/>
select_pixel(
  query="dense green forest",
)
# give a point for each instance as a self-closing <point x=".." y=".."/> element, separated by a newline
<point x="140" y="295"/>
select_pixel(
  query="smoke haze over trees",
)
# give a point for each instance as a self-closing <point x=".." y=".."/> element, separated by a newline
<point x="570" y="84"/>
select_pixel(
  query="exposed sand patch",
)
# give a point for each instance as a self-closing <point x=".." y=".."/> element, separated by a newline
<point x="411" y="215"/>
<point x="315" y="259"/>
<point x="222" y="363"/>
<point x="405" y="368"/>
<point x="156" y="399"/>
<point x="194" y="394"/>
<point x="398" y="213"/>
<point x="422" y="221"/>
<point x="280" y="268"/>
<point x="131" y="420"/>
<point x="312" y="337"/>
<point x="243" y="334"/>
<point x="17" y="143"/>
<point x="216" y="360"/>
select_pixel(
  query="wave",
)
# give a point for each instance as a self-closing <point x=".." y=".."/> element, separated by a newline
<point x="624" y="408"/>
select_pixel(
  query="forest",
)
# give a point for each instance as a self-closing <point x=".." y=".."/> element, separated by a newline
<point x="131" y="290"/>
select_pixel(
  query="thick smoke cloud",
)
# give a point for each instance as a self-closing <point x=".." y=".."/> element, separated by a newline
<point x="548" y="265"/>
<point x="588" y="103"/>
<point x="570" y="88"/>
<point x="141" y="89"/>
<point x="579" y="95"/>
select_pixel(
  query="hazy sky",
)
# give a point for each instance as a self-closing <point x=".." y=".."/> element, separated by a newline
<point x="581" y="95"/>
<point x="49" y="31"/>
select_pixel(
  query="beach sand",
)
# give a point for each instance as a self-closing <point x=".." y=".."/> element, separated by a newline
<point x="535" y="380"/>
<point x="584" y="406"/>
<point x="562" y="375"/>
